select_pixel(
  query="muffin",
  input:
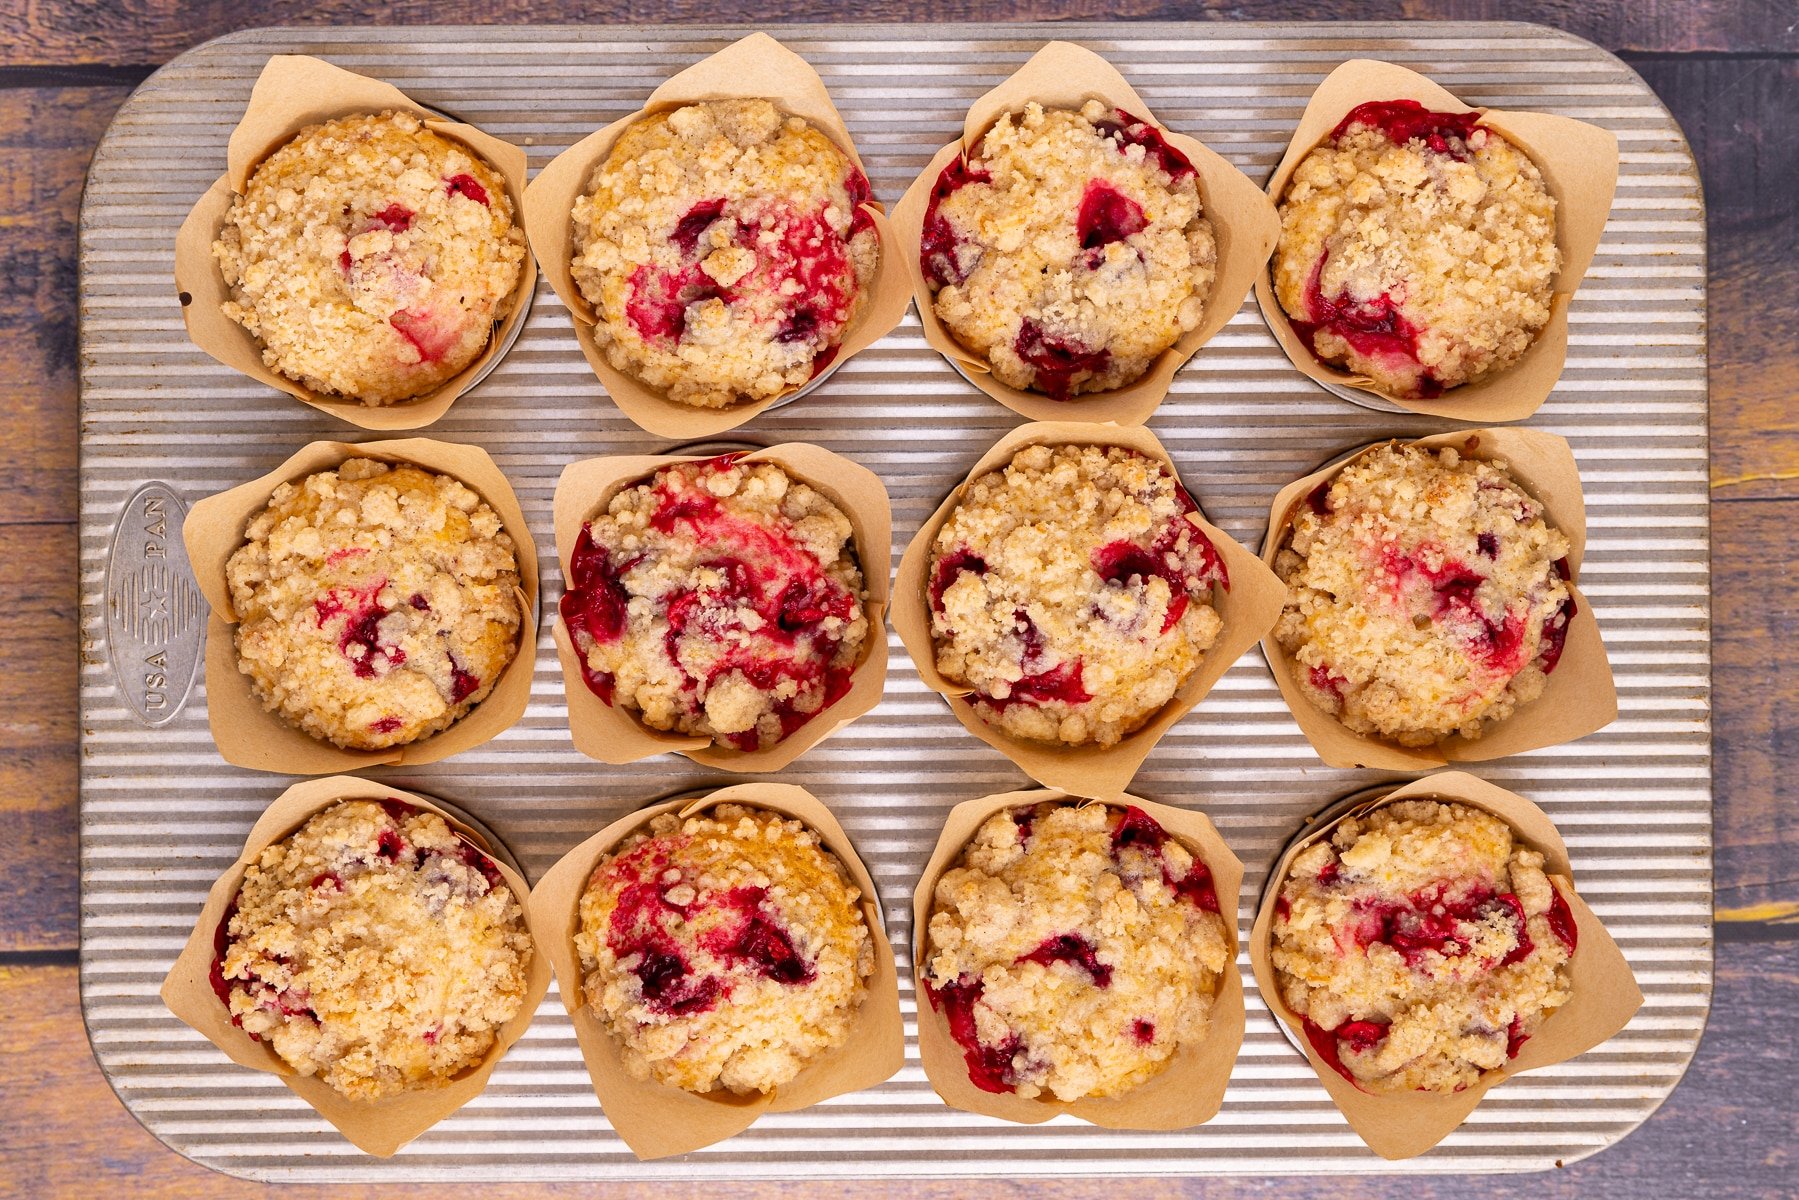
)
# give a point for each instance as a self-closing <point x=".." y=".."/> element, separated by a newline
<point x="1071" y="593"/>
<point x="724" y="950"/>
<point x="724" y="249"/>
<point x="374" y="948"/>
<point x="718" y="598"/>
<point x="1417" y="249"/>
<point x="371" y="257"/>
<point x="1421" y="946"/>
<point x="1073" y="950"/>
<point x="1069" y="250"/>
<point x="1427" y="595"/>
<point x="376" y="604"/>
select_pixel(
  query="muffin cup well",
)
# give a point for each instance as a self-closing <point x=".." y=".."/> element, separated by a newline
<point x="1190" y="1090"/>
<point x="656" y="1119"/>
<point x="377" y="1127"/>
<point x="1249" y="608"/>
<point x="292" y="92"/>
<point x="611" y="733"/>
<point x="249" y="735"/>
<point x="1604" y="991"/>
<point x="755" y="68"/>
<point x="1579" y="697"/>
<point x="1579" y="163"/>
<point x="1064" y="75"/>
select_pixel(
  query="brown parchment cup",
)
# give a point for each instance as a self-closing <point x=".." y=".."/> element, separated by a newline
<point x="1604" y="992"/>
<point x="1064" y="75"/>
<point x="755" y="68"/>
<point x="249" y="735"/>
<point x="292" y="92"/>
<point x="656" y="1119"/>
<point x="1248" y="608"/>
<point x="377" y="1127"/>
<point x="1579" y="163"/>
<point x="611" y="733"/>
<point x="1579" y="697"/>
<point x="1190" y="1089"/>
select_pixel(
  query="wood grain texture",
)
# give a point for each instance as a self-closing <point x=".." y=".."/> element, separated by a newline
<point x="53" y="32"/>
<point x="80" y="1142"/>
<point x="1730" y="73"/>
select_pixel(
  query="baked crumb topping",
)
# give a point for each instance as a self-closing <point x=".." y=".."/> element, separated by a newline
<point x="725" y="251"/>
<point x="1070" y="249"/>
<point x="723" y="950"/>
<point x="371" y="257"/>
<point x="1427" y="595"/>
<point x="1421" y="946"/>
<point x="1073" y="949"/>
<point x="376" y="604"/>
<point x="1072" y="594"/>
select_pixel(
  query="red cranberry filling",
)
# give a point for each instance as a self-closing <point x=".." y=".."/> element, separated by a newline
<point x="1555" y="626"/>
<point x="1138" y="829"/>
<point x="1407" y="120"/>
<point x="1327" y="681"/>
<point x="396" y="217"/>
<point x="594" y="605"/>
<point x="433" y="335"/>
<point x="1515" y="1037"/>
<point x="1143" y="1031"/>
<point x="1127" y="130"/>
<point x="1373" y="328"/>
<point x="989" y="1067"/>
<point x="1561" y="920"/>
<point x="385" y="724"/>
<point x="856" y="184"/>
<point x="1106" y="215"/>
<point x="463" y="684"/>
<point x="1319" y="498"/>
<point x="1061" y="683"/>
<point x="1429" y="922"/>
<point x="1059" y="362"/>
<point x="364" y="630"/>
<point x="1024" y="818"/>
<point x="466" y="185"/>
<point x="938" y="251"/>
<point x="657" y="302"/>
<point x="760" y="941"/>
<point x="1361" y="1035"/>
<point x="694" y="222"/>
<point x="1076" y="950"/>
<point x="949" y="569"/>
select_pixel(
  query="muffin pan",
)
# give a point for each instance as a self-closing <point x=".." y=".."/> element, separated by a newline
<point x="161" y="814"/>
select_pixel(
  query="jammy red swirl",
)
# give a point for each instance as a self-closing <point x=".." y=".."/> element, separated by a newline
<point x="720" y="598"/>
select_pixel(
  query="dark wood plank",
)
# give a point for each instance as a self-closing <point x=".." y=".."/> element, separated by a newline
<point x="78" y="31"/>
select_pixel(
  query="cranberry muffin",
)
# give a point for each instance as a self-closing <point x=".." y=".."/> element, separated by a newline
<point x="725" y="250"/>
<point x="1070" y="249"/>
<point x="376" y="604"/>
<point x="1421" y="946"/>
<point x="371" y="257"/>
<point x="718" y="598"/>
<point x="1071" y="593"/>
<point x="1417" y="249"/>
<point x="1427" y="595"/>
<point x="723" y="950"/>
<point x="374" y="948"/>
<point x="1073" y="949"/>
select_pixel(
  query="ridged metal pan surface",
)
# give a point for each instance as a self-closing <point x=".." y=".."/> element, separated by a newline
<point x="161" y="814"/>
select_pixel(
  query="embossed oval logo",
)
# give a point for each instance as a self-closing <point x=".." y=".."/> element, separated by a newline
<point x="155" y="616"/>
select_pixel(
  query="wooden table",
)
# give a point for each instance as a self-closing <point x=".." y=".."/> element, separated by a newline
<point x="1729" y="71"/>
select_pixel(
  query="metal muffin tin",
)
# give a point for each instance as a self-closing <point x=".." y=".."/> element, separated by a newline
<point x="161" y="814"/>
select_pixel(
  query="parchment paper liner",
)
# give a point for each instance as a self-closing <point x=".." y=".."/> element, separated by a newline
<point x="292" y="92"/>
<point x="613" y="734"/>
<point x="248" y="735"/>
<point x="1249" y="609"/>
<point x="655" y="1119"/>
<point x="1579" y="697"/>
<point x="1064" y="75"/>
<point x="1604" y="991"/>
<point x="377" y="1127"/>
<point x="1190" y="1089"/>
<point x="757" y="67"/>
<point x="1579" y="163"/>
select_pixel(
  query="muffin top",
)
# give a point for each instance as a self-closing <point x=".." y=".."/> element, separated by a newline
<point x="376" y="604"/>
<point x="1417" y="249"/>
<point x="1427" y="595"/>
<point x="1073" y="949"/>
<point x="1070" y="249"/>
<point x="371" y="257"/>
<point x="718" y="598"/>
<point x="723" y="950"/>
<point x="724" y="249"/>
<point x="374" y="948"/>
<point x="1421" y="946"/>
<point x="1072" y="594"/>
